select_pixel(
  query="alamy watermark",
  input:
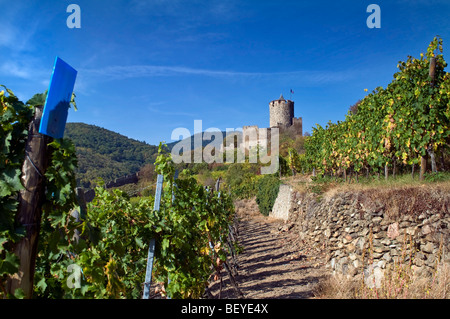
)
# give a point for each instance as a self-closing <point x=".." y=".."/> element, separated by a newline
<point x="74" y="279"/>
<point x="374" y="20"/>
<point x="74" y="19"/>
<point x="255" y="144"/>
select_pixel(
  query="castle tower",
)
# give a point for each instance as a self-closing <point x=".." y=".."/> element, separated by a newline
<point x="281" y="112"/>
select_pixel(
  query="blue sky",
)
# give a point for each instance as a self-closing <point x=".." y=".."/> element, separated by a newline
<point x="148" y="67"/>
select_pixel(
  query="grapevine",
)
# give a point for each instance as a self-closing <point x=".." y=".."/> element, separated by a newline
<point x="113" y="234"/>
<point x="393" y="126"/>
<point x="192" y="231"/>
<point x="59" y="182"/>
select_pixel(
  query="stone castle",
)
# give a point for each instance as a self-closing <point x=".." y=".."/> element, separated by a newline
<point x="281" y="116"/>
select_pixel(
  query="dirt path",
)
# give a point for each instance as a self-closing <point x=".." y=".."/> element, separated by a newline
<point x="274" y="262"/>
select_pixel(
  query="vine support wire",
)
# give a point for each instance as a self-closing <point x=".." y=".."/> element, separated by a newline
<point x="231" y="271"/>
<point x="173" y="199"/>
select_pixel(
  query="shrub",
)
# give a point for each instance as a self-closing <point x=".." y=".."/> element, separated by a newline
<point x="267" y="192"/>
<point x="241" y="180"/>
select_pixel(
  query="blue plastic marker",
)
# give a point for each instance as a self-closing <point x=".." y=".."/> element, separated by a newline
<point x="56" y="108"/>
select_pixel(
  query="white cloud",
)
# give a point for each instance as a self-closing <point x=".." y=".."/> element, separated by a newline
<point x="6" y="36"/>
<point x="134" y="71"/>
<point x="15" y="70"/>
<point x="25" y="67"/>
<point x="17" y="39"/>
<point x="185" y="9"/>
<point x="426" y="2"/>
<point x="146" y="71"/>
<point x="153" y="108"/>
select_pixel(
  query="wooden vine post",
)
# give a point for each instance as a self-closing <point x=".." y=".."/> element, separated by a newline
<point x="49" y="122"/>
<point x="29" y="211"/>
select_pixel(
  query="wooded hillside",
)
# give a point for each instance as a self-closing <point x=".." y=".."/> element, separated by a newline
<point x="106" y="154"/>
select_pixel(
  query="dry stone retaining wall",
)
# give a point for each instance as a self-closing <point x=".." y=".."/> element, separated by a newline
<point x="362" y="234"/>
<point x="125" y="180"/>
<point x="283" y="203"/>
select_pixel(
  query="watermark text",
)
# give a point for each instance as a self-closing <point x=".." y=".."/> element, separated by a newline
<point x="249" y="143"/>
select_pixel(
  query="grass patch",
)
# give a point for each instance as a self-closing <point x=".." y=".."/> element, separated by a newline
<point x="326" y="184"/>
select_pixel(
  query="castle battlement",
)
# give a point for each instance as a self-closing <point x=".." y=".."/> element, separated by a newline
<point x="281" y="112"/>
